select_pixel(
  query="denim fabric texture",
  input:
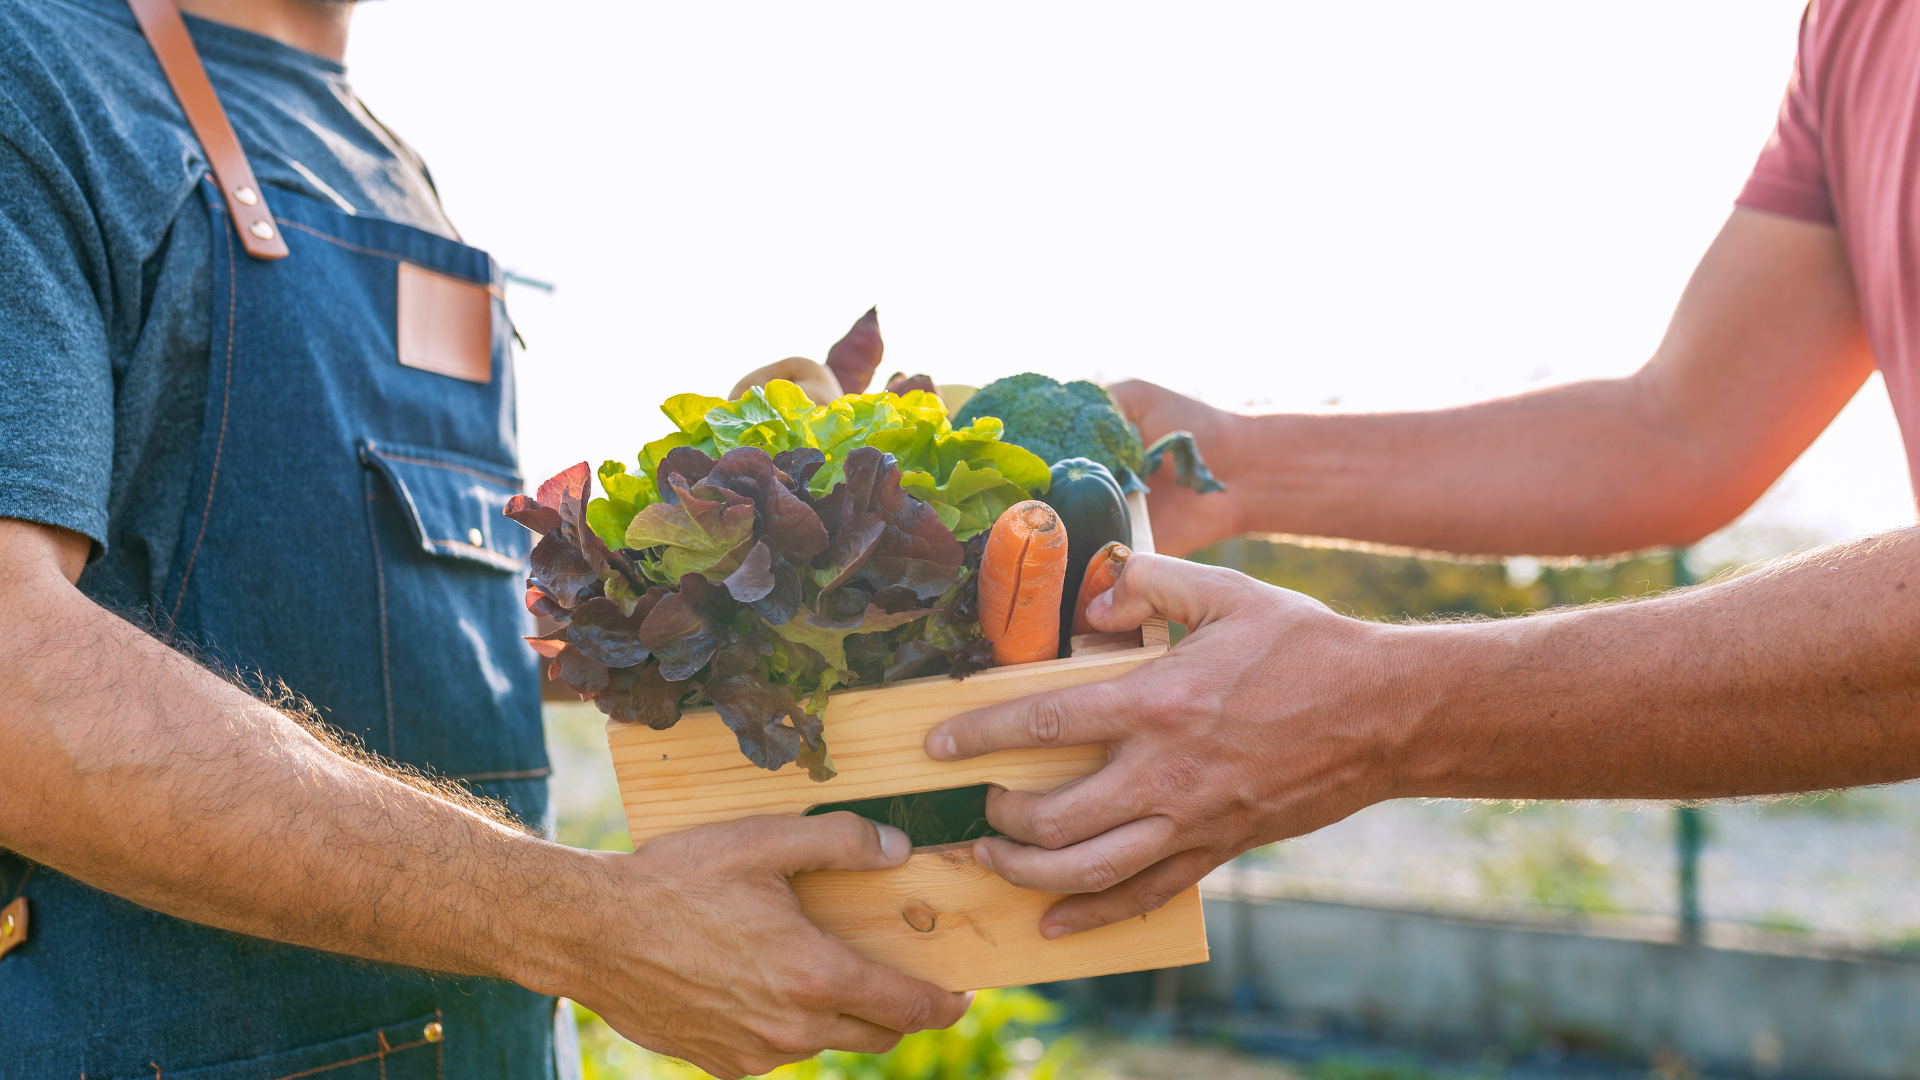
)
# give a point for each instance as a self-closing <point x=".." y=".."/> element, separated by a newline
<point x="106" y="262"/>
<point x="328" y="544"/>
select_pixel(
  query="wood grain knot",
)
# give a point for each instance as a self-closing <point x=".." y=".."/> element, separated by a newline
<point x="920" y="916"/>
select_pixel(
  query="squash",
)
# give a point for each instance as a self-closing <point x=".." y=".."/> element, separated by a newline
<point x="1090" y="504"/>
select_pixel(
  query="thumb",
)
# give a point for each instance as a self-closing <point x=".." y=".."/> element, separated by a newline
<point x="837" y="841"/>
<point x="1189" y="593"/>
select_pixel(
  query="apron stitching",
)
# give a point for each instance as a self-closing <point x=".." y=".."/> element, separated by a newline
<point x="380" y="1053"/>
<point x="226" y="398"/>
<point x="380" y="576"/>
<point x="350" y="246"/>
<point x="442" y="465"/>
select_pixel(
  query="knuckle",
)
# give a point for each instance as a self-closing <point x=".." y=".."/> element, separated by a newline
<point x="1050" y="829"/>
<point x="1097" y="874"/>
<point x="916" y="1014"/>
<point x="811" y="990"/>
<point x="788" y="1041"/>
<point x="1047" y="722"/>
<point x="1150" y="898"/>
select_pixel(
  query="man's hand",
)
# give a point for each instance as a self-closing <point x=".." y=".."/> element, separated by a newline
<point x="1263" y="723"/>
<point x="1275" y="716"/>
<point x="151" y="778"/>
<point x="1185" y="521"/>
<point x="694" y="946"/>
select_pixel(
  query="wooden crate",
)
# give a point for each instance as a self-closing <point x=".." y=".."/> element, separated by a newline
<point x="938" y="916"/>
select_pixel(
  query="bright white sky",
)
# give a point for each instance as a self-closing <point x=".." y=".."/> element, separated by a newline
<point x="1266" y="205"/>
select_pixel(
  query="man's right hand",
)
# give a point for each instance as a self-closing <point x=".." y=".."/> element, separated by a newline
<point x="1185" y="521"/>
<point x="695" y="946"/>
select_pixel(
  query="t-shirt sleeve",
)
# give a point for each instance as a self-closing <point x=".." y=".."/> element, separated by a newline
<point x="56" y="373"/>
<point x="1791" y="176"/>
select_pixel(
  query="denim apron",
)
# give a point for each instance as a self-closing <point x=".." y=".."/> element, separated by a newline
<point x="344" y="537"/>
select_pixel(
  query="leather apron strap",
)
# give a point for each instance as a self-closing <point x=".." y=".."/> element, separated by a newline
<point x="166" y="31"/>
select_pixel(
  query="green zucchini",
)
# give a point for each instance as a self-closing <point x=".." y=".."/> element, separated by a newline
<point x="1089" y="502"/>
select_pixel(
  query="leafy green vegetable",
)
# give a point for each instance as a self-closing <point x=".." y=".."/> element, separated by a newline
<point x="767" y="552"/>
<point x="1078" y="419"/>
<point x="1189" y="471"/>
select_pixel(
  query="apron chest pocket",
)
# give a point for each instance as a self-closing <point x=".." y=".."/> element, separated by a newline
<point x="453" y="503"/>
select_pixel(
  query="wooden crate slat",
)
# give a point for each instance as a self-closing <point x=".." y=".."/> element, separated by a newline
<point x="939" y="916"/>
<point x="694" y="774"/>
<point x="942" y="918"/>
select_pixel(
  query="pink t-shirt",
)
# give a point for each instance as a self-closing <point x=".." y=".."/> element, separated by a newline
<point x="1846" y="152"/>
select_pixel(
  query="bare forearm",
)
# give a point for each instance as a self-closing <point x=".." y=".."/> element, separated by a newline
<point x="1765" y="347"/>
<point x="1799" y="677"/>
<point x="134" y="769"/>
<point x="1572" y="470"/>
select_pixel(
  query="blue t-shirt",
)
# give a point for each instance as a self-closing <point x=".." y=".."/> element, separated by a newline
<point x="106" y="258"/>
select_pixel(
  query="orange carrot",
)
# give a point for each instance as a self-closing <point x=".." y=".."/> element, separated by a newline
<point x="1102" y="572"/>
<point x="1022" y="573"/>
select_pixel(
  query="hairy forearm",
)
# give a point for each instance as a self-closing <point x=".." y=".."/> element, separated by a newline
<point x="1802" y="676"/>
<point x="136" y="770"/>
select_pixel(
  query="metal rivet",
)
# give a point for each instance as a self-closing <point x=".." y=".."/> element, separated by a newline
<point x="432" y="1032"/>
<point x="261" y="229"/>
<point x="246" y="195"/>
<point x="475" y="538"/>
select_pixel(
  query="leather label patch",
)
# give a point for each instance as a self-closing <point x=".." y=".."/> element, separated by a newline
<point x="13" y="925"/>
<point x="445" y="324"/>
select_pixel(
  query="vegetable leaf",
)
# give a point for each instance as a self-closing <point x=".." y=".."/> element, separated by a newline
<point x="700" y="535"/>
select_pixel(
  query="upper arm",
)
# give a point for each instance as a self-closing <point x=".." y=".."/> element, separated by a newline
<point x="56" y="370"/>
<point x="1765" y="348"/>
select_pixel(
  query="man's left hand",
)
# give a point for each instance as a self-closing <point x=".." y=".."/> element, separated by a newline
<point x="1270" y="719"/>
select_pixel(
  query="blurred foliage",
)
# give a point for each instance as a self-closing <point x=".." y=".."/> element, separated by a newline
<point x="1404" y="1068"/>
<point x="1374" y="584"/>
<point x="996" y="1040"/>
<point x="1550" y="862"/>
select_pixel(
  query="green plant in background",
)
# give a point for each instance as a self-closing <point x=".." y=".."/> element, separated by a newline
<point x="1405" y="1068"/>
<point x="1551" y="864"/>
<point x="1376" y="585"/>
<point x="996" y="1040"/>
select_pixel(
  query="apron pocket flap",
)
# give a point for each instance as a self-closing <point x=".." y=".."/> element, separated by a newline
<point x="454" y="503"/>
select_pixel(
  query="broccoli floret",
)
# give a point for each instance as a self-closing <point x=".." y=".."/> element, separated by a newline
<point x="1058" y="421"/>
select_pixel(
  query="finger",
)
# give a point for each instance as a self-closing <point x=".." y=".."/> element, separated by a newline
<point x="1075" y="716"/>
<point x="852" y="1034"/>
<point x="900" y="1003"/>
<point x="1077" y="810"/>
<point x="1146" y="891"/>
<point x="837" y="841"/>
<point x="1088" y="867"/>
<point x="1189" y="593"/>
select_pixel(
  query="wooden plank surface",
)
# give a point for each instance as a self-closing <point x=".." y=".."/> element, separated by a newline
<point x="694" y="774"/>
<point x="939" y="916"/>
<point x="942" y="918"/>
